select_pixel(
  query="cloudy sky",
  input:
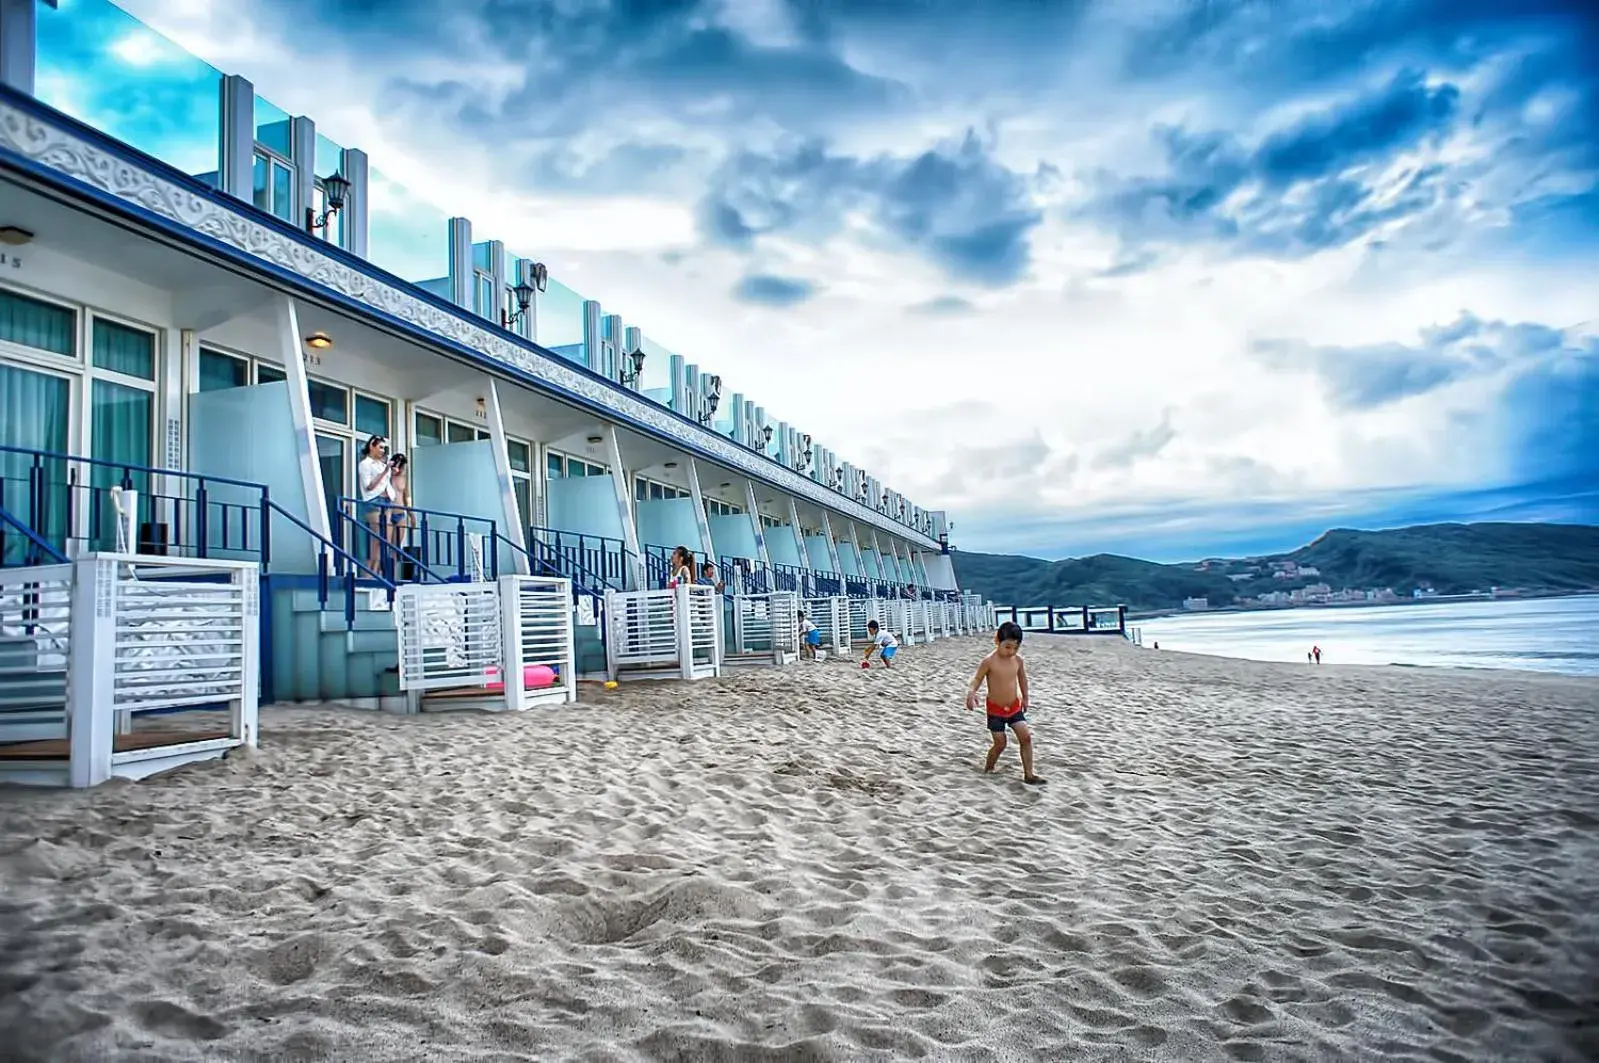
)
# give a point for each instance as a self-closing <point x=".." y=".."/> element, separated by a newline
<point x="1158" y="277"/>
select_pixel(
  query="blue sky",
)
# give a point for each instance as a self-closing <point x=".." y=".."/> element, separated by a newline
<point x="1149" y="277"/>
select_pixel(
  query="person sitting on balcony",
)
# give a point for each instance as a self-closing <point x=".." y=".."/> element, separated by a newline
<point x="372" y="481"/>
<point x="680" y="570"/>
<point x="709" y="577"/>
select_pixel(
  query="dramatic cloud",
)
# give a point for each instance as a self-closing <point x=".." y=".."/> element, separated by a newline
<point x="953" y="203"/>
<point x="1158" y="277"/>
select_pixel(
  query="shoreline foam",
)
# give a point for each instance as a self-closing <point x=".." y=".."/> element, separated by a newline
<point x="1232" y="860"/>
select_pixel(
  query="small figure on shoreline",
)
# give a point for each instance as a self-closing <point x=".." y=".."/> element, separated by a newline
<point x="1314" y="656"/>
<point x="883" y="643"/>
<point x="1006" y="676"/>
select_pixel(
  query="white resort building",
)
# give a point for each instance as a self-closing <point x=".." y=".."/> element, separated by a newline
<point x="207" y="308"/>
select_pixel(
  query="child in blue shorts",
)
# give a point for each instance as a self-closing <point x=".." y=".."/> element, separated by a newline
<point x="882" y="642"/>
<point x="810" y="638"/>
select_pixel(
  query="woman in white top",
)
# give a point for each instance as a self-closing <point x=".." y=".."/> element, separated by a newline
<point x="372" y="485"/>
<point x="681" y="567"/>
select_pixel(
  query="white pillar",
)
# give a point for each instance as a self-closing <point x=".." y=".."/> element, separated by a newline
<point x="236" y="159"/>
<point x="755" y="523"/>
<point x="624" y="508"/>
<point x="358" y="201"/>
<point x="290" y="347"/>
<point x="302" y="142"/>
<point x="860" y="555"/>
<point x="832" y="546"/>
<point x="91" y="689"/>
<point x="799" y="534"/>
<point x="509" y="516"/>
<point x="701" y="521"/>
<point x="463" y="276"/>
<point x="19" y="31"/>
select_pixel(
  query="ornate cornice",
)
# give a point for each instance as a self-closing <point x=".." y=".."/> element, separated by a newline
<point x="206" y="213"/>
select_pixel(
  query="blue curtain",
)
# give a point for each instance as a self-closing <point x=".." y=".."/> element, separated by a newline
<point x="120" y="428"/>
<point x="219" y="371"/>
<point x="34" y="412"/>
<point x="124" y="350"/>
<point x="30" y="323"/>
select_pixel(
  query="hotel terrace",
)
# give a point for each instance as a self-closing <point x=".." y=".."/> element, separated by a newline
<point x="207" y="307"/>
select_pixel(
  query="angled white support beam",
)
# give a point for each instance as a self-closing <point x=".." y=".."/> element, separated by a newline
<point x="701" y="522"/>
<point x="832" y="545"/>
<point x="291" y="349"/>
<point x="755" y="524"/>
<point x="19" y="34"/>
<point x="799" y="534"/>
<point x="510" y="518"/>
<point x="624" y="508"/>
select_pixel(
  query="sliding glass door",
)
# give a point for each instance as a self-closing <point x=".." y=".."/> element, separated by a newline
<point x="35" y="415"/>
<point x="121" y="424"/>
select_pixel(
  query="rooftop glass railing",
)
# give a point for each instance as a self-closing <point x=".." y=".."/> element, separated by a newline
<point x="100" y="65"/>
<point x="406" y="235"/>
<point x="560" y="322"/>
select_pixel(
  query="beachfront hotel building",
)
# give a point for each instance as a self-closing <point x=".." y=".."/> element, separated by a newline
<point x="208" y="302"/>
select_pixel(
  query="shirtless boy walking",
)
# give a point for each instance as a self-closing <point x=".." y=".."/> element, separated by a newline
<point x="1007" y="697"/>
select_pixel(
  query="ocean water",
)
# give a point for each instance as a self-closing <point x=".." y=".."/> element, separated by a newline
<point x="1541" y="635"/>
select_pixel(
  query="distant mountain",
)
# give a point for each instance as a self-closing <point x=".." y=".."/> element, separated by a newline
<point x="1446" y="558"/>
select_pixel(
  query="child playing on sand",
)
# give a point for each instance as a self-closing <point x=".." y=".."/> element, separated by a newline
<point x="883" y="643"/>
<point x="1007" y="697"/>
<point x="810" y="638"/>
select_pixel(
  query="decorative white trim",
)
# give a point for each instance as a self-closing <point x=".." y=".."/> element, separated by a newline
<point x="48" y="145"/>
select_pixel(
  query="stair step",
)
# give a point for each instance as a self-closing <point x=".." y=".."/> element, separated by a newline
<point x="333" y="623"/>
<point x="375" y="641"/>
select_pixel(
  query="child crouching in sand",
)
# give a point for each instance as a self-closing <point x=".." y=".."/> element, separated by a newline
<point x="1007" y="697"/>
<point x="883" y="643"/>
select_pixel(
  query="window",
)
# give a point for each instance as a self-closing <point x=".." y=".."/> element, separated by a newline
<point x="429" y="431"/>
<point x="371" y="416"/>
<point x="455" y="432"/>
<point x="273" y="184"/>
<point x="40" y="325"/>
<point x="269" y="374"/>
<point x="520" y="455"/>
<point x="560" y="466"/>
<point x="556" y="467"/>
<point x="329" y="402"/>
<point x="717" y="508"/>
<point x="124" y="350"/>
<point x="218" y="371"/>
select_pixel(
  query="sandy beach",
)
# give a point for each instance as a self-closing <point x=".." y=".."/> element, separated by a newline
<point x="1231" y="860"/>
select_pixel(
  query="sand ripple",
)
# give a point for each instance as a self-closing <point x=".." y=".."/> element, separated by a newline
<point x="1232" y="861"/>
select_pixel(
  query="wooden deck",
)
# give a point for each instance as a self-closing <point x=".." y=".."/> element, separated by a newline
<point x="59" y="748"/>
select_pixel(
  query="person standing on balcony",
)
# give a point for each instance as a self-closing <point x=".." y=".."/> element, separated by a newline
<point x="400" y="516"/>
<point x="373" y="478"/>
<point x="681" y="568"/>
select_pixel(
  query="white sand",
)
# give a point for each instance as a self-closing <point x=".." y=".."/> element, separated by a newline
<point x="1232" y="860"/>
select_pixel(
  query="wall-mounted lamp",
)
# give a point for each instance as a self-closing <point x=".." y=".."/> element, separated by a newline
<point x="12" y="236"/>
<point x="318" y="341"/>
<point x="335" y="190"/>
<point x="766" y="436"/>
<point x="712" y="400"/>
<point x="595" y="441"/>
<point x="535" y="277"/>
<point x="670" y="465"/>
<point x="631" y="376"/>
<point x="725" y="486"/>
<point x="482" y="408"/>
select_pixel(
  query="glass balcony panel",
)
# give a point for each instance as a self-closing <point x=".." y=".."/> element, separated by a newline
<point x="102" y="66"/>
<point x="406" y="235"/>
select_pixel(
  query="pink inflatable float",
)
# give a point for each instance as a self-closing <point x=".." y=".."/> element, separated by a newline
<point x="534" y="676"/>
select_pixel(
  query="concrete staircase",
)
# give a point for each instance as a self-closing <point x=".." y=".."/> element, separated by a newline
<point x="318" y="657"/>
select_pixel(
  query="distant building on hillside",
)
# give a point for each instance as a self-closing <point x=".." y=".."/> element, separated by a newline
<point x="1195" y="605"/>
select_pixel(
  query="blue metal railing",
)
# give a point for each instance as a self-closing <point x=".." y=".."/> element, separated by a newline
<point x="603" y="557"/>
<point x="66" y="500"/>
<point x="435" y="541"/>
<point x="34" y="550"/>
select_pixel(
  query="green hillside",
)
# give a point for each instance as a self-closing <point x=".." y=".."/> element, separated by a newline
<point x="1449" y="558"/>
